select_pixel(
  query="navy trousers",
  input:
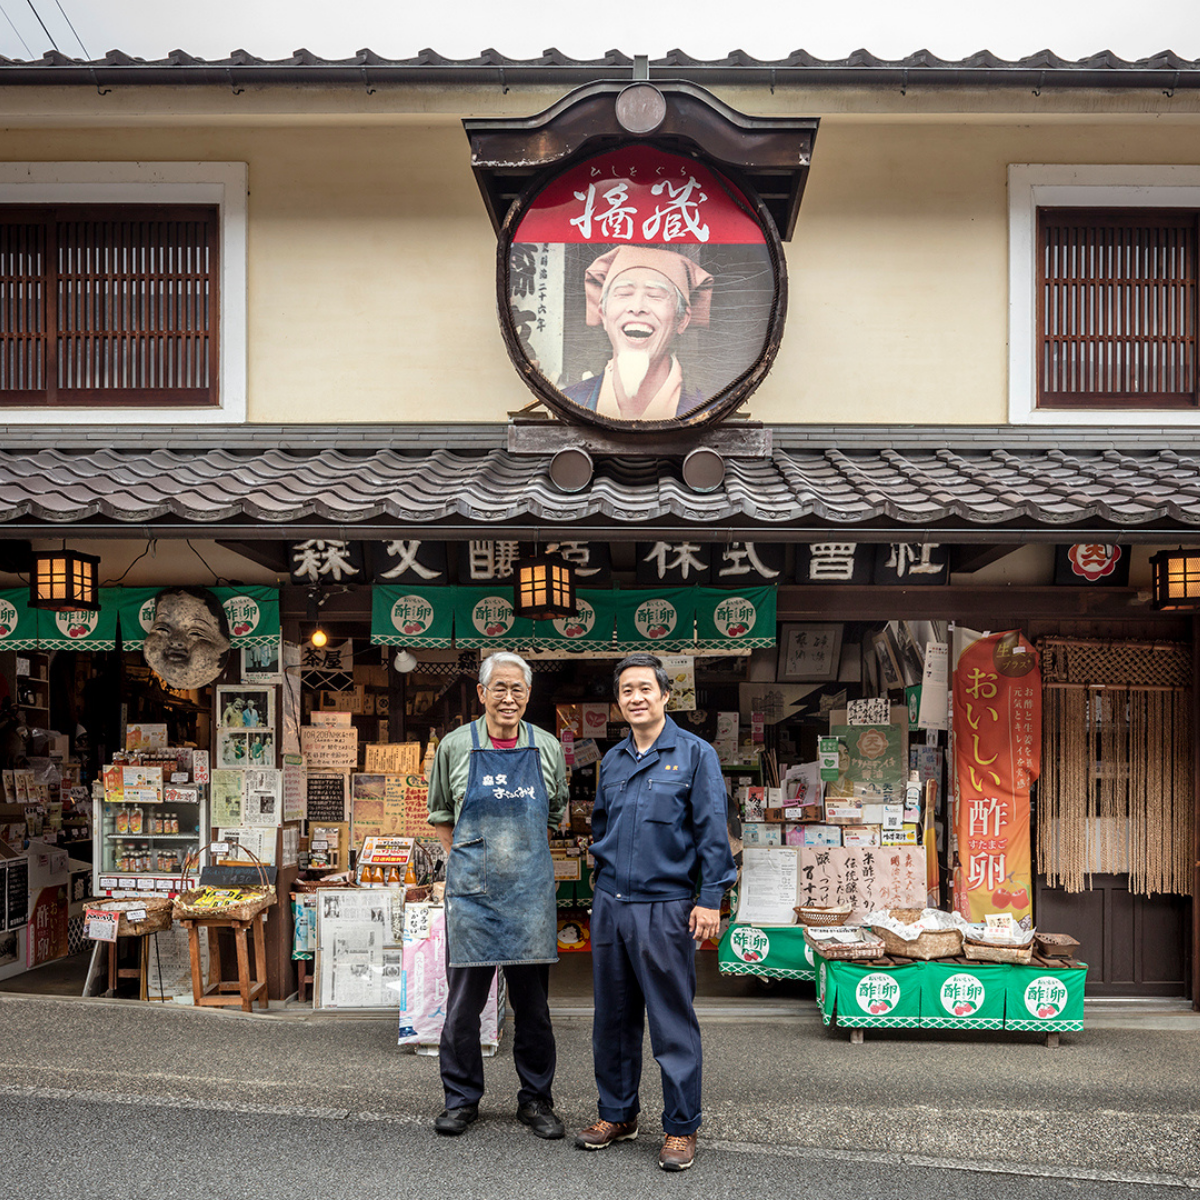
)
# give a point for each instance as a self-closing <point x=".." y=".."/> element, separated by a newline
<point x="644" y="967"/>
<point x="534" y="1054"/>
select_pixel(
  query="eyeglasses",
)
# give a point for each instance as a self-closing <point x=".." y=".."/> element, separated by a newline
<point x="502" y="691"/>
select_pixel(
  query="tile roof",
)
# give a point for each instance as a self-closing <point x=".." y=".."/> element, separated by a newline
<point x="962" y="492"/>
<point x="1045" y="68"/>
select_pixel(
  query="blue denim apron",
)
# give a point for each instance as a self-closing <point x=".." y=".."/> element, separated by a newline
<point x="500" y="906"/>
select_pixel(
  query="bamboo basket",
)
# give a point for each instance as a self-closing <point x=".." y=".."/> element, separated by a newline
<point x="846" y="951"/>
<point x="941" y="943"/>
<point x="157" y="909"/>
<point x="233" y="904"/>
<point x="812" y="914"/>
<point x="990" y="952"/>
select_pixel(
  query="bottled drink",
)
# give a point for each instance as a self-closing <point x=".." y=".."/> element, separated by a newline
<point x="135" y="820"/>
<point x="122" y="820"/>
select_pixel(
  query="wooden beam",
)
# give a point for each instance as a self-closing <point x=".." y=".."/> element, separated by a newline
<point x="272" y="555"/>
<point x="965" y="560"/>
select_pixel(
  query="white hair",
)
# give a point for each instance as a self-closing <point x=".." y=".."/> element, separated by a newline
<point x="504" y="659"/>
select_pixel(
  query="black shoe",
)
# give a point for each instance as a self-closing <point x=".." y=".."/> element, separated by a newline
<point x="539" y="1116"/>
<point x="455" y="1120"/>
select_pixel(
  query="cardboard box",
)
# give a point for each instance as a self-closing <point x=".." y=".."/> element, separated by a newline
<point x="822" y="835"/>
<point x="861" y="835"/>
<point x="759" y="833"/>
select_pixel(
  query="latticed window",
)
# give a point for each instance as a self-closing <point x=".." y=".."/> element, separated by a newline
<point x="1116" y="308"/>
<point x="109" y="305"/>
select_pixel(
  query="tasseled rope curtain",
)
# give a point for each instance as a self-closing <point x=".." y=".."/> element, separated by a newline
<point x="1115" y="791"/>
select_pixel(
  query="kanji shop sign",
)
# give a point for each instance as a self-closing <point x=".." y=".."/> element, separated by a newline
<point x="913" y="564"/>
<point x="639" y="289"/>
<point x="997" y="757"/>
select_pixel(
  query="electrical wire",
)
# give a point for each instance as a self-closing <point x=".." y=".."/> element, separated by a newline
<point x="149" y="546"/>
<point x="216" y="578"/>
<point x="72" y="28"/>
<point x="42" y="24"/>
<point x="16" y="31"/>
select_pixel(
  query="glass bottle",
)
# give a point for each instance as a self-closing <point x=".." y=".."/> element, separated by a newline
<point x="135" y="819"/>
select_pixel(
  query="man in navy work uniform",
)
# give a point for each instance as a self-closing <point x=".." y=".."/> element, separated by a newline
<point x="662" y="866"/>
<point x="496" y="789"/>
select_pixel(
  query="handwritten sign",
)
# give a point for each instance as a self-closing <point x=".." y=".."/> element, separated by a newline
<point x="329" y="749"/>
<point x="399" y="758"/>
<point x="100" y="925"/>
<point x="325" y="797"/>
<point x="294" y="777"/>
<point x="865" y="877"/>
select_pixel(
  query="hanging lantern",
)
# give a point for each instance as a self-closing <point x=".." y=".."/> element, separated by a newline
<point x="545" y="588"/>
<point x="64" y="581"/>
<point x="1176" y="575"/>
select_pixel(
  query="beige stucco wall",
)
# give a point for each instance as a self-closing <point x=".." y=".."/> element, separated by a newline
<point x="371" y="263"/>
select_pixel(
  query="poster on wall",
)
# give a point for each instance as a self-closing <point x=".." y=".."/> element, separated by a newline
<point x="642" y="289"/>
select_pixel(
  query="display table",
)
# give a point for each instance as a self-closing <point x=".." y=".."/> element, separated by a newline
<point x="243" y="990"/>
<point x="766" y="951"/>
<point x="952" y="994"/>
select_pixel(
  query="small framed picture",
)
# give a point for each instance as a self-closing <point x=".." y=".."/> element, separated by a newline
<point x="245" y="706"/>
<point x="809" y="653"/>
<point x="262" y="664"/>
<point x="246" y="748"/>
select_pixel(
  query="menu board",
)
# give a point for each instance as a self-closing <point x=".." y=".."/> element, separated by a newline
<point x="394" y="758"/>
<point x="325" y="796"/>
<point x="18" y="893"/>
<point x="416" y="807"/>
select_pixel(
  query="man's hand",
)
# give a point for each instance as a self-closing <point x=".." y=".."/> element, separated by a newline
<point x="704" y="923"/>
<point x="445" y="836"/>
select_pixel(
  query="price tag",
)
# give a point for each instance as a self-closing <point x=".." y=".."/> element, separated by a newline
<point x="135" y="915"/>
<point x="100" y="925"/>
<point x="319" y="844"/>
<point x="219" y="847"/>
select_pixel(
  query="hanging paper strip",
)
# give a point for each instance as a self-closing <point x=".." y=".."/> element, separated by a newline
<point x="81" y="630"/>
<point x="590" y="629"/>
<point x="408" y="616"/>
<point x="484" y="617"/>
<point x="729" y="620"/>
<point x="252" y="612"/>
<point x="656" y="620"/>
<point x="18" y="622"/>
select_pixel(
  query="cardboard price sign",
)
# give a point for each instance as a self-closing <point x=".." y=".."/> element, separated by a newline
<point x="100" y="925"/>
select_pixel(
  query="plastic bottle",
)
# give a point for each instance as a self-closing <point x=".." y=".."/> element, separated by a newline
<point x="393" y="877"/>
<point x="122" y="820"/>
<point x="136" y="817"/>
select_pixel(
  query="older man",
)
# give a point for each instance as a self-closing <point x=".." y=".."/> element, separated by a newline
<point x="496" y="789"/>
<point x="662" y="866"/>
<point x="644" y="298"/>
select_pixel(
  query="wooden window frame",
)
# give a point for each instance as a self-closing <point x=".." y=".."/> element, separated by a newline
<point x="205" y="336"/>
<point x="1089" y="325"/>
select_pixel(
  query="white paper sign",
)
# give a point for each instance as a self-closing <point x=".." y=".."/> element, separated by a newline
<point x="934" y="713"/>
<point x="767" y="894"/>
<point x="329" y="749"/>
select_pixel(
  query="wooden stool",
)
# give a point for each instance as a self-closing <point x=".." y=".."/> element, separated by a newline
<point x="116" y="973"/>
<point x="243" y="990"/>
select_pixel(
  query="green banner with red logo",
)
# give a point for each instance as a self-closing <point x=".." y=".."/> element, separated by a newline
<point x="252" y="613"/>
<point x="732" y="620"/>
<point x="997" y="756"/>
<point x="964" y="997"/>
<point x="484" y="618"/>
<point x="771" y="952"/>
<point x="81" y="630"/>
<point x="590" y="629"/>
<point x="422" y="618"/>
<point x="1043" y="1000"/>
<point x="866" y="996"/>
<point x="661" y="621"/>
<point x="18" y="622"/>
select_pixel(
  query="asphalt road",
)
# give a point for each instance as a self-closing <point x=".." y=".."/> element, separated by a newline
<point x="120" y="1099"/>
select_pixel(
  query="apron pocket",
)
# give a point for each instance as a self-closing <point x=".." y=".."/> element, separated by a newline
<point x="466" y="873"/>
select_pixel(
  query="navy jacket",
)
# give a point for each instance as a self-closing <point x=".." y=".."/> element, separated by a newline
<point x="659" y="825"/>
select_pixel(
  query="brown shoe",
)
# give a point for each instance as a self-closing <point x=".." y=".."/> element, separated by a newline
<point x="678" y="1153"/>
<point x="604" y="1133"/>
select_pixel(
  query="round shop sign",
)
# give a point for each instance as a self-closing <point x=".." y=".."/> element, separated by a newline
<point x="412" y="615"/>
<point x="877" y="993"/>
<point x="641" y="290"/>
<point x="579" y="625"/>
<point x="76" y="624"/>
<point x="146" y="613"/>
<point x="749" y="944"/>
<point x="493" y="616"/>
<point x="655" y="619"/>
<point x="8" y="619"/>
<point x="1046" y="997"/>
<point x="734" y="618"/>
<point x="961" y="995"/>
<point x="243" y="615"/>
